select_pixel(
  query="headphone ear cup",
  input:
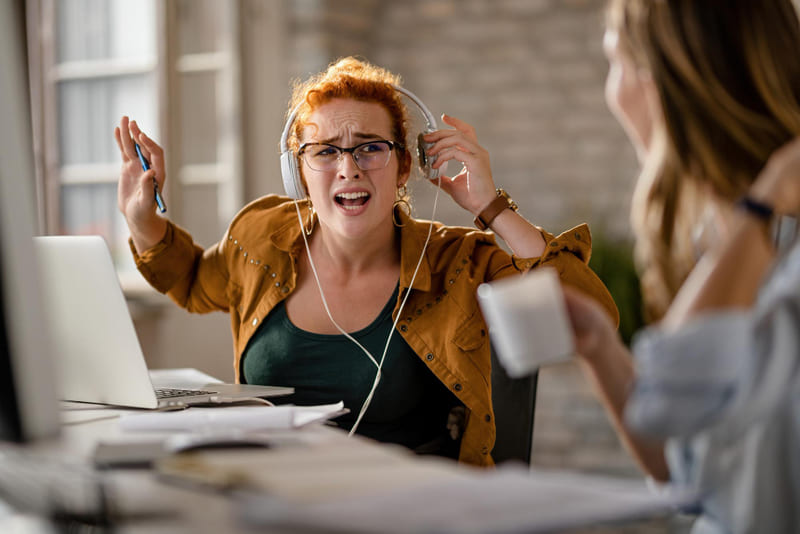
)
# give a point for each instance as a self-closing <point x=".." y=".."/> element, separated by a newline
<point x="425" y="161"/>
<point x="290" y="173"/>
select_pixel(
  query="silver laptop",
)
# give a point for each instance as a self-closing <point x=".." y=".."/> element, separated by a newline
<point x="97" y="350"/>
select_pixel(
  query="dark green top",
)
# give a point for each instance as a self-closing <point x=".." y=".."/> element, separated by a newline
<point x="410" y="405"/>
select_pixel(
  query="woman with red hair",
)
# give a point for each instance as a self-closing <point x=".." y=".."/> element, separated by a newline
<point x="339" y="292"/>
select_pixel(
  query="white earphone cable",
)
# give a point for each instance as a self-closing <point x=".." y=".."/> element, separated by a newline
<point x="368" y="400"/>
<point x="379" y="365"/>
<point x="322" y="294"/>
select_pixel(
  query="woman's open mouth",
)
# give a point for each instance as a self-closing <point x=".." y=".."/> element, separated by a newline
<point x="352" y="201"/>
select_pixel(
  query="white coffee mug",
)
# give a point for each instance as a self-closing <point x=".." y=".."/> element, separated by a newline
<point x="527" y="320"/>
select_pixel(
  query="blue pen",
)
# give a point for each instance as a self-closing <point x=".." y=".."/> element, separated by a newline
<point x="146" y="167"/>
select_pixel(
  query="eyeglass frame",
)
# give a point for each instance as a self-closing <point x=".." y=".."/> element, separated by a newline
<point x="352" y="151"/>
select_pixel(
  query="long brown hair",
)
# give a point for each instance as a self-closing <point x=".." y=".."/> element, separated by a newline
<point x="727" y="73"/>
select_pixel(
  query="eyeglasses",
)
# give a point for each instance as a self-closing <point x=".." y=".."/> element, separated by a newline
<point x="368" y="156"/>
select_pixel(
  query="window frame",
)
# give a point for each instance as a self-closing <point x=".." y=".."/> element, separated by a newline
<point x="169" y="68"/>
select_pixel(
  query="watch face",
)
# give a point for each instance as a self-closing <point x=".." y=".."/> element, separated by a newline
<point x="511" y="204"/>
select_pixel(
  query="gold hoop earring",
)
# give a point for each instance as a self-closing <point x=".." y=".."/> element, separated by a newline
<point x="311" y="219"/>
<point x="401" y="204"/>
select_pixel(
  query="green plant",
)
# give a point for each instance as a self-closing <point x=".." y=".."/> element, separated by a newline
<point x="612" y="261"/>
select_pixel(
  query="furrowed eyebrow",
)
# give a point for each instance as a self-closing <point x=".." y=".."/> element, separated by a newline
<point x="362" y="136"/>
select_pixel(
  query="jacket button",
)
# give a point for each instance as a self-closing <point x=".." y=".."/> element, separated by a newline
<point x="403" y="328"/>
<point x="429" y="356"/>
<point x="485" y="450"/>
<point x="457" y="387"/>
<point x="553" y="244"/>
<point x="487" y="417"/>
<point x="255" y="321"/>
<point x="285" y="289"/>
<point x="578" y="236"/>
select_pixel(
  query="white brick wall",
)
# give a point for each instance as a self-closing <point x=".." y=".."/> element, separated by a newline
<point x="528" y="74"/>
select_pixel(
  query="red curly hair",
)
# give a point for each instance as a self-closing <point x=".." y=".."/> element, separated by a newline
<point x="355" y="79"/>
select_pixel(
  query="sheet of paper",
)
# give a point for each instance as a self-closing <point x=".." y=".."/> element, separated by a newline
<point x="230" y="418"/>
<point x="502" y="501"/>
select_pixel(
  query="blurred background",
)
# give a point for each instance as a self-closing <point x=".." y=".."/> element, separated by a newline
<point x="210" y="81"/>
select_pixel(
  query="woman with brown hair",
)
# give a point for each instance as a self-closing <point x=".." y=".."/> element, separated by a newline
<point x="709" y="94"/>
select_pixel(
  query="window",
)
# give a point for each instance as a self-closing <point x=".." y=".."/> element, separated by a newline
<point x="99" y="61"/>
<point x="171" y="65"/>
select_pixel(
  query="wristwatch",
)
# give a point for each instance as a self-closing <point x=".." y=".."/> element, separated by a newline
<point x="495" y="207"/>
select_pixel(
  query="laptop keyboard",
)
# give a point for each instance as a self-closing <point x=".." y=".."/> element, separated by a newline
<point x="171" y="393"/>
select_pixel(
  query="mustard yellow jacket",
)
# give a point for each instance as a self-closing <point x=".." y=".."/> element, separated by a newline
<point x="253" y="268"/>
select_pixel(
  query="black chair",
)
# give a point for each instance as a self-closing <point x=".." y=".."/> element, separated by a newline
<point x="514" y="401"/>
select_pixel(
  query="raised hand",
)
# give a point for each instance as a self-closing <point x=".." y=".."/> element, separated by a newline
<point x="135" y="192"/>
<point x="779" y="183"/>
<point x="472" y="188"/>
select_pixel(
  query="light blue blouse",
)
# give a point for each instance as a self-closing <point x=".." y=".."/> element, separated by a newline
<point x="725" y="393"/>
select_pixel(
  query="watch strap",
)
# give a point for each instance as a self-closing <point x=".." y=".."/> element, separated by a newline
<point x="488" y="214"/>
<point x="762" y="211"/>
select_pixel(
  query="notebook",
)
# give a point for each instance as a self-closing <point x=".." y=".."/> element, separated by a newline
<point x="98" y="353"/>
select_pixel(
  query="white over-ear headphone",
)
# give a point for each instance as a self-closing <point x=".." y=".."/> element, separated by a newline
<point x="290" y="168"/>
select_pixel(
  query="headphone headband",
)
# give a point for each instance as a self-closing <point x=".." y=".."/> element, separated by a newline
<point x="290" y="169"/>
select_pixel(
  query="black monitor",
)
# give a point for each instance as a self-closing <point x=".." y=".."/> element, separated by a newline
<point x="28" y="395"/>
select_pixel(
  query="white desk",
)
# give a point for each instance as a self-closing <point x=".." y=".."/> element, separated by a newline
<point x="317" y="475"/>
<point x="312" y="463"/>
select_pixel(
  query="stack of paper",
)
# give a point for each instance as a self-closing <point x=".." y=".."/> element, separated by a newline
<point x="230" y="418"/>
